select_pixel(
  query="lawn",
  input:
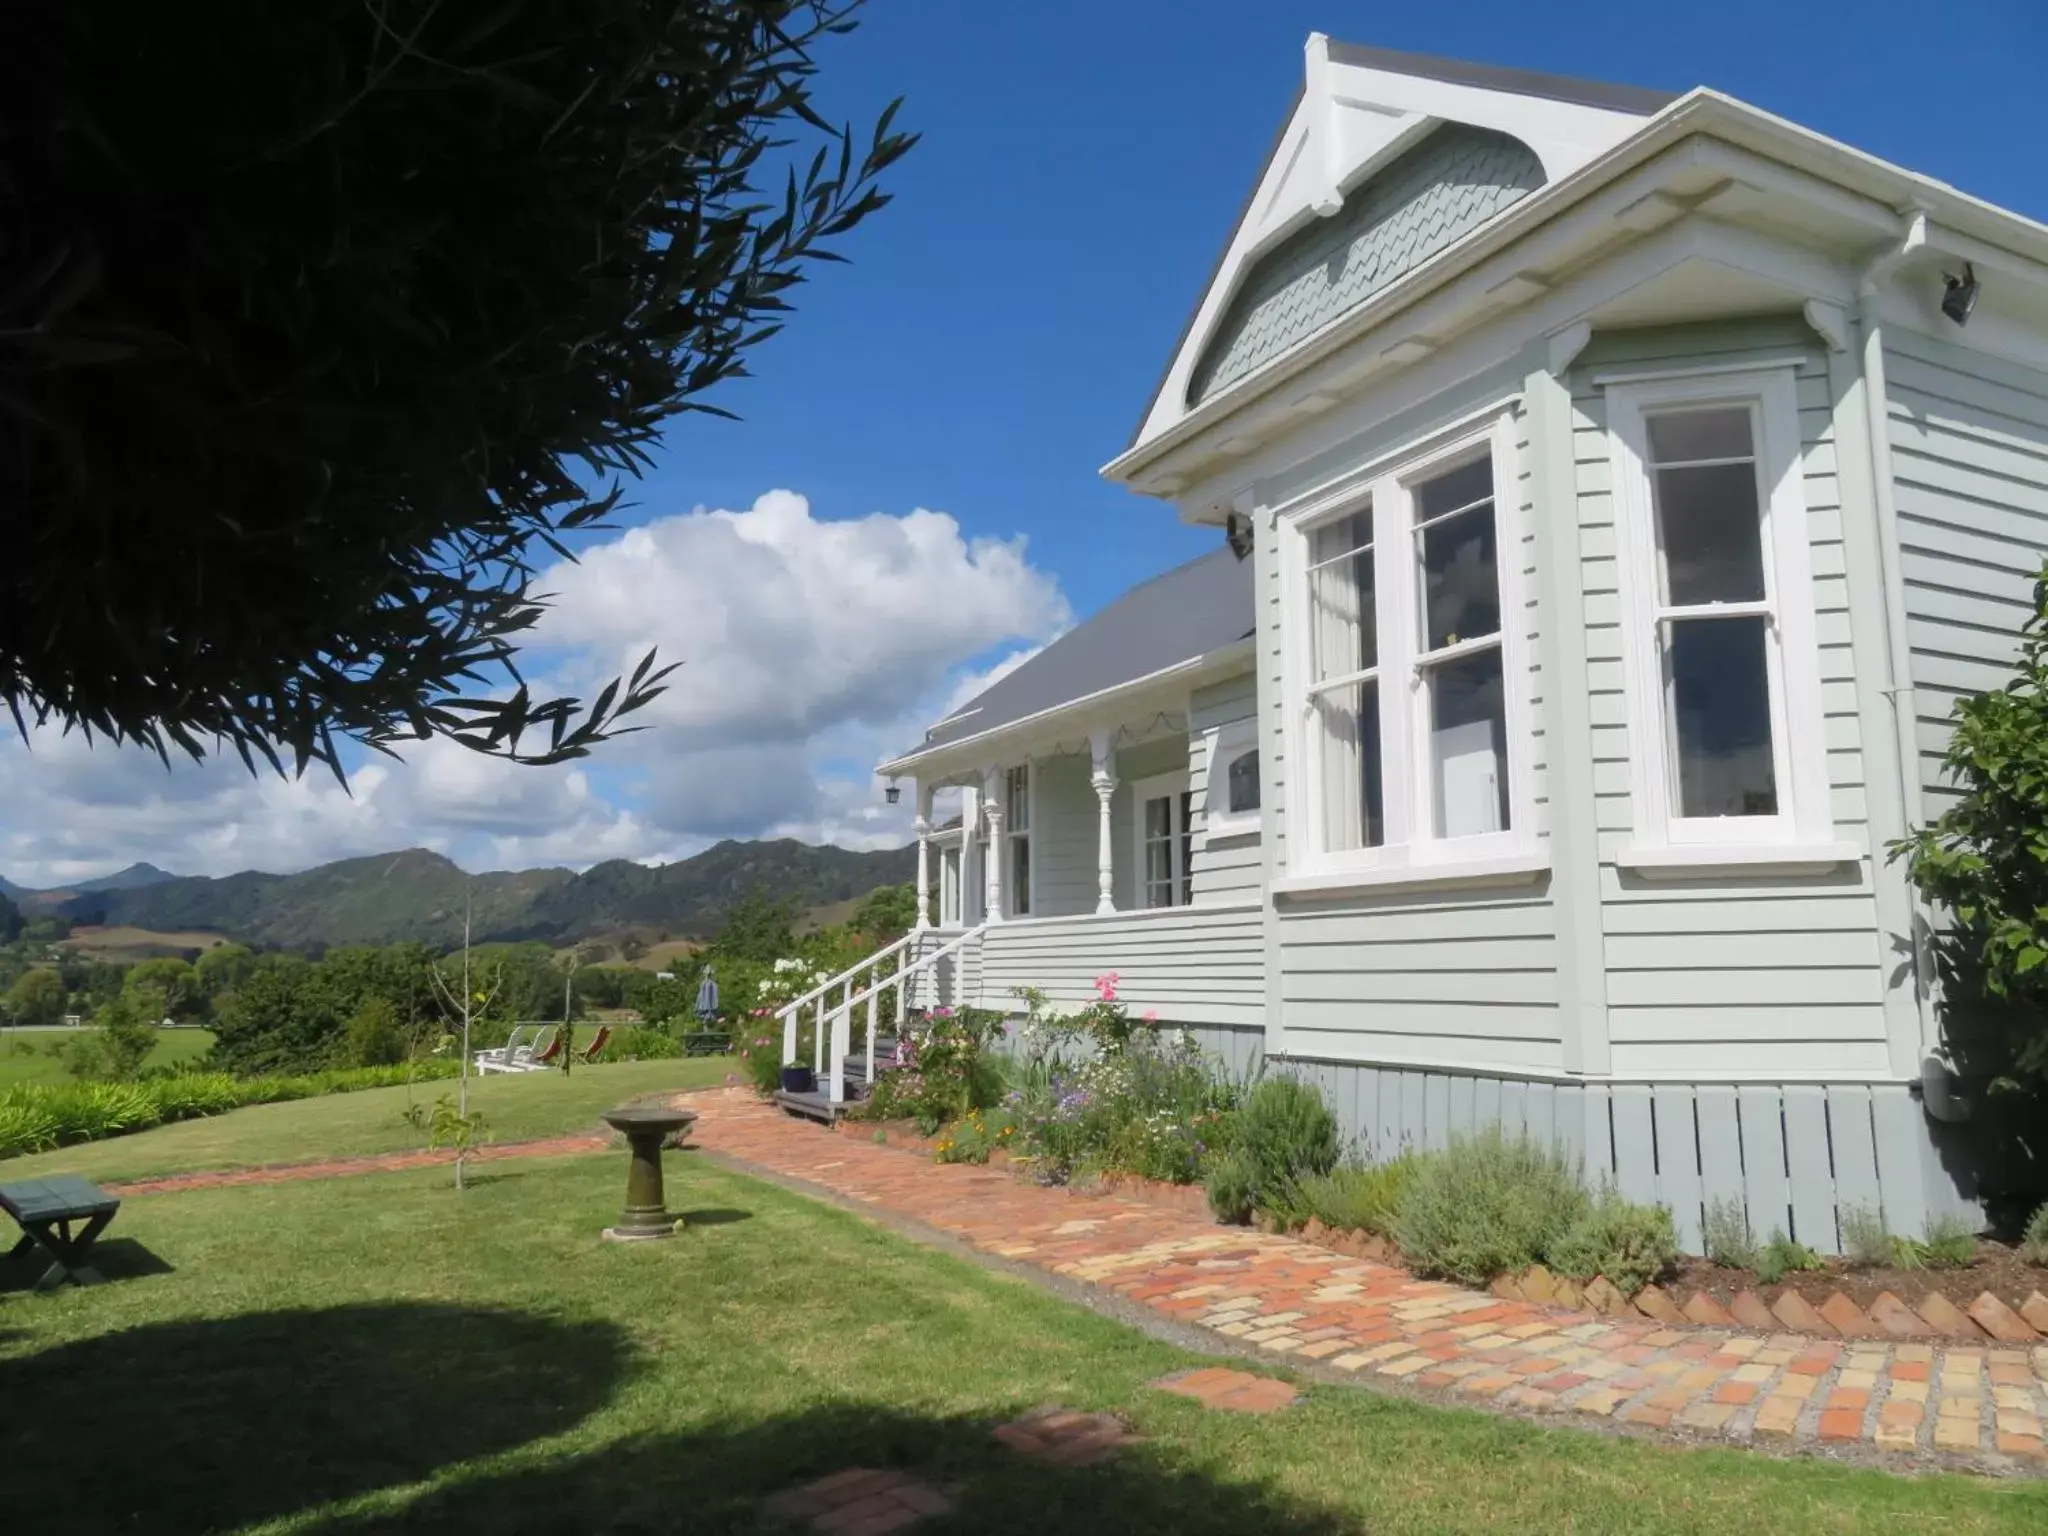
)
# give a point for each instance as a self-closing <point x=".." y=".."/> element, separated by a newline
<point x="26" y="1057"/>
<point x="516" y="1107"/>
<point x="381" y="1354"/>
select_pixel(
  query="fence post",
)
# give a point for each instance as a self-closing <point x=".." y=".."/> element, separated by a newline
<point x="902" y="1003"/>
<point x="789" y="1035"/>
<point x="873" y="1071"/>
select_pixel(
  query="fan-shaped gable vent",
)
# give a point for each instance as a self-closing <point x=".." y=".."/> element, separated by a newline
<point x="1425" y="199"/>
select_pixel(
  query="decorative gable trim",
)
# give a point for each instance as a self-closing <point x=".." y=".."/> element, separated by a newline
<point x="1427" y="198"/>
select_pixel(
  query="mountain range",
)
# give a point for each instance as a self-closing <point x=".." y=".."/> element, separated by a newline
<point x="418" y="894"/>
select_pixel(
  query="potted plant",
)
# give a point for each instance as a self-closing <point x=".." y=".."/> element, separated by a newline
<point x="799" y="1078"/>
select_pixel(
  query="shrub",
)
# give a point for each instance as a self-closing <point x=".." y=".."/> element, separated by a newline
<point x="1726" y="1236"/>
<point x="375" y="1037"/>
<point x="2034" y="1237"/>
<point x="1158" y="1109"/>
<point x="1630" y="1244"/>
<point x="1951" y="1242"/>
<point x="1865" y="1238"/>
<point x="1781" y="1256"/>
<point x="37" y="1116"/>
<point x="1232" y="1184"/>
<point x="1354" y="1198"/>
<point x="945" y="1069"/>
<point x="1487" y="1206"/>
<point x="640" y="1042"/>
<point x="1284" y="1134"/>
<point x="972" y="1137"/>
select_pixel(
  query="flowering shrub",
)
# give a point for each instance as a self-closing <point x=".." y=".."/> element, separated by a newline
<point x="1153" y="1107"/>
<point x="1049" y="1035"/>
<point x="944" y="1069"/>
<point x="976" y="1134"/>
<point x="791" y="978"/>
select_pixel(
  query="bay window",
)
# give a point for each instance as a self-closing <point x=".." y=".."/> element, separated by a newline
<point x="1408" y="723"/>
<point x="1719" y="647"/>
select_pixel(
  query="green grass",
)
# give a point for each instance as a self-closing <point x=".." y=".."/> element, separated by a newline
<point x="382" y="1354"/>
<point x="516" y="1107"/>
<point x="25" y="1055"/>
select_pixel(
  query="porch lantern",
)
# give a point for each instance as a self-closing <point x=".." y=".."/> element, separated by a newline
<point x="893" y="793"/>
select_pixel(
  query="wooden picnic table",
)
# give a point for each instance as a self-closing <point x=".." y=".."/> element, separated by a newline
<point x="46" y="1210"/>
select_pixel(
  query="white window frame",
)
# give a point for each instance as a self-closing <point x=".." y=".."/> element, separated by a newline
<point x="1169" y="787"/>
<point x="1029" y="832"/>
<point x="1411" y="852"/>
<point x="1802" y="831"/>
<point x="1227" y="743"/>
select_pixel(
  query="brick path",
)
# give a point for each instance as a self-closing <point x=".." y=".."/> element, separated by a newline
<point x="341" y="1167"/>
<point x="1296" y="1301"/>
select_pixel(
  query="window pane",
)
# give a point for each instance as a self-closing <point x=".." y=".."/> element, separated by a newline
<point x="1020" y="875"/>
<point x="1709" y="535"/>
<point x="1243" y="789"/>
<point x="1459" y="487"/>
<point x="1461" y="584"/>
<point x="1681" y="437"/>
<point x="1348" y="728"/>
<point x="1721" y="717"/>
<point x="1187" y="847"/>
<point x="1342" y="616"/>
<point x="1468" y="745"/>
<point x="1017" y="787"/>
<point x="1157" y="814"/>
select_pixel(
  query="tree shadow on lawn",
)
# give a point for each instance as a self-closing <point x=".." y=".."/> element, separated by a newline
<point x="716" y="1480"/>
<point x="210" y="1424"/>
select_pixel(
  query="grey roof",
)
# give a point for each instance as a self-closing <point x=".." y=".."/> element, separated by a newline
<point x="1423" y="200"/>
<point x="1176" y="617"/>
<point x="1516" y="82"/>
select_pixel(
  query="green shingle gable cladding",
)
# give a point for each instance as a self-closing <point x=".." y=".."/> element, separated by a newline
<point x="1431" y="195"/>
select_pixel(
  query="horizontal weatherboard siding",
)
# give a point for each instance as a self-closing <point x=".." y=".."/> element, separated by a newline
<point x="1969" y="442"/>
<point x="1731" y="975"/>
<point x="1190" y="965"/>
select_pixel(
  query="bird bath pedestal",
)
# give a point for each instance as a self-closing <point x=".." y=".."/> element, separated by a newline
<point x="646" y="1127"/>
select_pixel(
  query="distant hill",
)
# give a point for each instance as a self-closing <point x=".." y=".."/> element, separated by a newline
<point x="415" y="894"/>
<point x="133" y="878"/>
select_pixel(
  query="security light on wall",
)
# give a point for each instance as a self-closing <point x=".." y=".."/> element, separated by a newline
<point x="1237" y="533"/>
<point x="1961" y="295"/>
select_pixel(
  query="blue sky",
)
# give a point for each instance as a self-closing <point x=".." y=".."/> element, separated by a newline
<point x="991" y="343"/>
<point x="1004" y="321"/>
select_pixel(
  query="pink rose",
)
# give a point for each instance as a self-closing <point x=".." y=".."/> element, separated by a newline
<point x="1151" y="1015"/>
<point x="1105" y="986"/>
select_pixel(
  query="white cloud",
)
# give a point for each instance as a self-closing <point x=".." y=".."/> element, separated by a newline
<point x="810" y="648"/>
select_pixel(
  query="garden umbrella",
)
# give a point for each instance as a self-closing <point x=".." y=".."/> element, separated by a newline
<point x="707" y="995"/>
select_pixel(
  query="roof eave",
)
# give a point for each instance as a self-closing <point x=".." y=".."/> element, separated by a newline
<point x="1196" y="669"/>
<point x="1699" y="111"/>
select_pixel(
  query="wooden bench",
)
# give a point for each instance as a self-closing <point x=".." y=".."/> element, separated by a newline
<point x="46" y="1209"/>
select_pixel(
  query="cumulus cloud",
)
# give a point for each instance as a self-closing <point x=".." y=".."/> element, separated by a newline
<point x="810" y="648"/>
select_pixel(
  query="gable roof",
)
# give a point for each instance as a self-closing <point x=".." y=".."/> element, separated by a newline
<point x="1359" y="109"/>
<point x="1515" y="82"/>
<point x="1452" y="181"/>
<point x="1181" y="616"/>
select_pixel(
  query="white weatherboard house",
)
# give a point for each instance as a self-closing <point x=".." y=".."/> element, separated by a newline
<point x="1628" y="487"/>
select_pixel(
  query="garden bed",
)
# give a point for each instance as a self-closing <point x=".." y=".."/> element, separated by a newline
<point x="1997" y="1268"/>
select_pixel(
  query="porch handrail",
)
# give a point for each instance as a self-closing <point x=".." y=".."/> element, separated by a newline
<point x="841" y="1013"/>
<point x="847" y="975"/>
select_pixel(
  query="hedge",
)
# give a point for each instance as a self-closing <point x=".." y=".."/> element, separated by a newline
<point x="34" y="1117"/>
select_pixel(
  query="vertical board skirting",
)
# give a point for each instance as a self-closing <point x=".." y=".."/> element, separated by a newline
<point x="1762" y="1112"/>
<point x="1675" y="1114"/>
<point x="1854" y="1148"/>
<point x="1812" y="1169"/>
<point x="1895" y="1122"/>
<point x="1635" y="1144"/>
<point x="1791" y="1157"/>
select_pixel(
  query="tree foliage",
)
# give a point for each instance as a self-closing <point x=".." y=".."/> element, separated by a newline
<point x="1985" y="858"/>
<point x="317" y="320"/>
<point x="37" y="997"/>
